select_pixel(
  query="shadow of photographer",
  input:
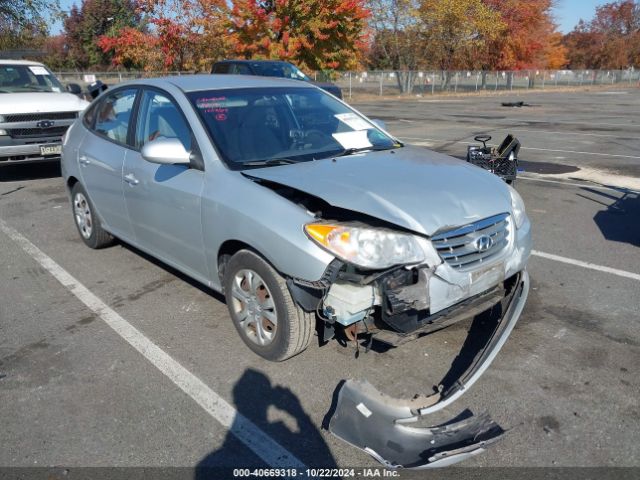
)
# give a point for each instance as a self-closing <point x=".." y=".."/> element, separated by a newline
<point x="276" y="411"/>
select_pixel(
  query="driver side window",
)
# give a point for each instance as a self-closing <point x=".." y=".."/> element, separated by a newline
<point x="160" y="117"/>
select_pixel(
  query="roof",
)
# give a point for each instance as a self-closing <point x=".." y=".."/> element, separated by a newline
<point x="194" y="83"/>
<point x="19" y="62"/>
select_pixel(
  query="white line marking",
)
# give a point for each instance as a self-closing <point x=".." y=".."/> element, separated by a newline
<point x="581" y="153"/>
<point x="247" y="432"/>
<point x="591" y="266"/>
<point x="525" y="148"/>
<point x="573" y="184"/>
<point x="567" y="133"/>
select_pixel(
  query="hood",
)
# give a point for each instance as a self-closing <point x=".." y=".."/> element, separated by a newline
<point x="35" y="102"/>
<point x="414" y="188"/>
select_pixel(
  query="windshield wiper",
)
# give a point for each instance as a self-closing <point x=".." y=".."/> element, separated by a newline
<point x="270" y="162"/>
<point x="34" y="88"/>
<point x="351" y="151"/>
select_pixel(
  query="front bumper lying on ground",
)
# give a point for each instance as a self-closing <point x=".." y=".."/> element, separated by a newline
<point x="382" y="426"/>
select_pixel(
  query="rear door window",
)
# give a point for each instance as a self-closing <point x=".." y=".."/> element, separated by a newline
<point x="240" y="69"/>
<point x="113" y="115"/>
<point x="221" y="68"/>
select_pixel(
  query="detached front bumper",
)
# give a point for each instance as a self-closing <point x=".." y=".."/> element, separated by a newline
<point x="384" y="427"/>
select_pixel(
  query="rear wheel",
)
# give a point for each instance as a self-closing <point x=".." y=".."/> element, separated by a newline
<point x="262" y="309"/>
<point x="87" y="221"/>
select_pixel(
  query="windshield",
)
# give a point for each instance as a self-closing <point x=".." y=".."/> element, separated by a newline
<point x="27" y="78"/>
<point x="277" y="69"/>
<point x="257" y="125"/>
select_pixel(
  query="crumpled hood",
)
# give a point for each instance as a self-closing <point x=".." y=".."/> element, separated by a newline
<point x="34" y="102"/>
<point x="414" y="188"/>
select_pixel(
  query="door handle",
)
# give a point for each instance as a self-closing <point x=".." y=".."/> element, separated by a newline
<point x="84" y="160"/>
<point x="131" y="179"/>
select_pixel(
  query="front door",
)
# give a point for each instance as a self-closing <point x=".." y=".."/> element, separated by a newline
<point x="164" y="201"/>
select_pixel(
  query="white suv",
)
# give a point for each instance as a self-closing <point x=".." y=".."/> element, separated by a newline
<point x="35" y="112"/>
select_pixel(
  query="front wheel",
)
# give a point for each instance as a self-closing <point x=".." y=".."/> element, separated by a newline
<point x="262" y="309"/>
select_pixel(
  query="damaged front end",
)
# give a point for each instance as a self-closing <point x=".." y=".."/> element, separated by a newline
<point x="385" y="427"/>
<point x="438" y="278"/>
<point x="393" y="307"/>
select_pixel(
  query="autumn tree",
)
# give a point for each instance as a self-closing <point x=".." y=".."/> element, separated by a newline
<point x="530" y="39"/>
<point x="313" y="34"/>
<point x="94" y="18"/>
<point x="395" y="39"/>
<point x="182" y="35"/>
<point x="455" y="30"/>
<point x="133" y="49"/>
<point x="610" y="40"/>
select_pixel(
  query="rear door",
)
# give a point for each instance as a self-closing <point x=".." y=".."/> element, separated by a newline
<point x="101" y="156"/>
<point x="164" y="201"/>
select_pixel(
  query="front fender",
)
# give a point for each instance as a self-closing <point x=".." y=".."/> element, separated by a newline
<point x="236" y="208"/>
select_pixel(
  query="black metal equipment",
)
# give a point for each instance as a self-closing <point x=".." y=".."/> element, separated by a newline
<point x="502" y="161"/>
<point x="96" y="88"/>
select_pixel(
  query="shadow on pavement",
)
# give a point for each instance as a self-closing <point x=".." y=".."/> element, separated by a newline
<point x="620" y="220"/>
<point x="276" y="411"/>
<point x="29" y="171"/>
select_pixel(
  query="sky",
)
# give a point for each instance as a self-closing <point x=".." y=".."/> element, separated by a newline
<point x="567" y="12"/>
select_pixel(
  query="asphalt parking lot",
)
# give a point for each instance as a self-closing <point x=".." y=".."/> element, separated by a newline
<point x="75" y="393"/>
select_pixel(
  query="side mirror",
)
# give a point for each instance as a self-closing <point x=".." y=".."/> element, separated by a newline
<point x="74" y="88"/>
<point x="379" y="123"/>
<point x="166" y="151"/>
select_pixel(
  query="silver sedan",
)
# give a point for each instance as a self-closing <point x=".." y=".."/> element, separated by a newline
<point x="307" y="215"/>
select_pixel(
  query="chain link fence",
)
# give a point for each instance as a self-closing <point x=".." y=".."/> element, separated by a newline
<point x="431" y="83"/>
<point x="423" y="83"/>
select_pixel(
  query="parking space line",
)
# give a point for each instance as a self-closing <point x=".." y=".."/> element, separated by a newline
<point x="574" y="184"/>
<point x="523" y="148"/>
<point x="591" y="266"/>
<point x="247" y="432"/>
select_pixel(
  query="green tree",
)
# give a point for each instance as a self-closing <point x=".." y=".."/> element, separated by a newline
<point x="22" y="22"/>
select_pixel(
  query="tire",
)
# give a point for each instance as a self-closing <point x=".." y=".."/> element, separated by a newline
<point x="87" y="221"/>
<point x="256" y="294"/>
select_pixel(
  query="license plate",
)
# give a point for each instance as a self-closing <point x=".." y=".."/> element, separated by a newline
<point x="50" y="149"/>
<point x="490" y="275"/>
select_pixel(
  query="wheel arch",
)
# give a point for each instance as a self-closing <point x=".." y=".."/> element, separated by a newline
<point x="71" y="182"/>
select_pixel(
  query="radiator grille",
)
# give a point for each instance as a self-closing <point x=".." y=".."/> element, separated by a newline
<point x="473" y="244"/>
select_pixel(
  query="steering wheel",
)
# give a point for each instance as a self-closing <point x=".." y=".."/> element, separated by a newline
<point x="482" y="138"/>
<point x="316" y="138"/>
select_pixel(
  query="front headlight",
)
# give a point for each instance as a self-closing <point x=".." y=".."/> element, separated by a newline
<point x="517" y="205"/>
<point x="367" y="247"/>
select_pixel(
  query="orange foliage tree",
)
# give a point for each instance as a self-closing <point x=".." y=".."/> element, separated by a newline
<point x="314" y="34"/>
<point x="191" y="34"/>
<point x="530" y="39"/>
<point x="182" y="35"/>
<point x="610" y="40"/>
